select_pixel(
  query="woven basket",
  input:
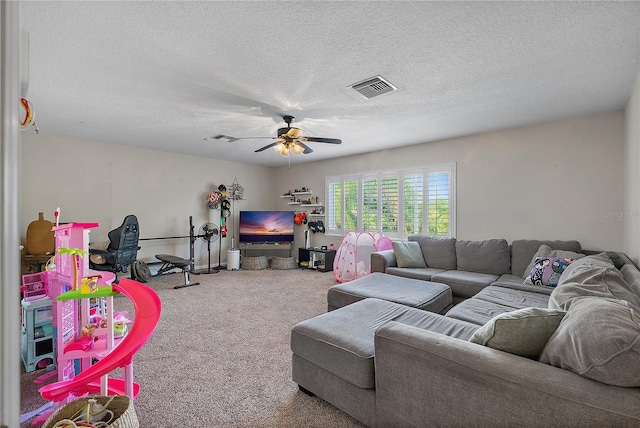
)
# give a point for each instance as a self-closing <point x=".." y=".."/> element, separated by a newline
<point x="283" y="263"/>
<point x="255" y="263"/>
<point x="124" y="415"/>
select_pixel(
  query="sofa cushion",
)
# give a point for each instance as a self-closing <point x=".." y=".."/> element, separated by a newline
<point x="523" y="332"/>
<point x="342" y="341"/>
<point x="477" y="311"/>
<point x="464" y="284"/>
<point x="517" y="283"/>
<point x="598" y="339"/>
<point x="546" y="251"/>
<point x="523" y="251"/>
<point x="491" y="256"/>
<point x="516" y="299"/>
<point x="592" y="276"/>
<point x="408" y="254"/>
<point x="546" y="271"/>
<point x="425" y="295"/>
<point x="438" y="252"/>
<point x="424" y="274"/>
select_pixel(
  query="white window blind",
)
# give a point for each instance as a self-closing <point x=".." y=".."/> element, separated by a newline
<point x="394" y="203"/>
<point x="413" y="203"/>
<point x="438" y="203"/>
<point x="389" y="206"/>
<point x="334" y="206"/>
<point x="351" y="202"/>
<point x="370" y="205"/>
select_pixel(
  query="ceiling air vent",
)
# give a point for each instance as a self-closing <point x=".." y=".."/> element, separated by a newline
<point x="373" y="87"/>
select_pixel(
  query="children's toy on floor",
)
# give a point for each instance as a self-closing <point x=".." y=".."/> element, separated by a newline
<point x="34" y="286"/>
<point x="353" y="257"/>
<point x="121" y="324"/>
<point x="90" y="341"/>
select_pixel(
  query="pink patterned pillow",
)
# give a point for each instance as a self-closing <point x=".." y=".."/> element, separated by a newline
<point x="547" y="270"/>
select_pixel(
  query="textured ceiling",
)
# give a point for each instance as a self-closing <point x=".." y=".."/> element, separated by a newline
<point x="165" y="75"/>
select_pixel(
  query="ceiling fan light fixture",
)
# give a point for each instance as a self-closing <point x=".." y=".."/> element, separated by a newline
<point x="297" y="149"/>
<point x="281" y="149"/>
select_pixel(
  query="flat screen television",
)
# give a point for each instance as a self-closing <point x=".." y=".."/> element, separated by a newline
<point x="266" y="226"/>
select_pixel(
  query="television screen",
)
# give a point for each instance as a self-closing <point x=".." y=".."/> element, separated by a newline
<point x="266" y="226"/>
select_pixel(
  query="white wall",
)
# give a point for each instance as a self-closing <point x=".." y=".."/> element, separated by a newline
<point x="92" y="181"/>
<point x="632" y="175"/>
<point x="559" y="180"/>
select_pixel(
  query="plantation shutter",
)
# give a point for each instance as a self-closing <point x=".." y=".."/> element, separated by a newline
<point x="350" y="205"/>
<point x="417" y="201"/>
<point x="389" y="205"/>
<point x="438" y="203"/>
<point x="413" y="203"/>
<point x="370" y="204"/>
<point x="334" y="206"/>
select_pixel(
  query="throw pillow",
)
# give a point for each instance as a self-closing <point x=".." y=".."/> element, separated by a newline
<point x="547" y="251"/>
<point x="523" y="332"/>
<point x="547" y="270"/>
<point x="408" y="254"/>
<point x="599" y="339"/>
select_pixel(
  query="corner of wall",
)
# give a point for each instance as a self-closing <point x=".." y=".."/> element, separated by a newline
<point x="631" y="242"/>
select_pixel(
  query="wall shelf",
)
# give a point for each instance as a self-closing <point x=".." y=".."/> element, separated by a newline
<point x="303" y="202"/>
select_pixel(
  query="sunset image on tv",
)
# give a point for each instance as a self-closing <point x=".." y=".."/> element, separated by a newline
<point x="268" y="226"/>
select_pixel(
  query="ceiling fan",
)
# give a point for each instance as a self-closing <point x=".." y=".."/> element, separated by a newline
<point x="289" y="140"/>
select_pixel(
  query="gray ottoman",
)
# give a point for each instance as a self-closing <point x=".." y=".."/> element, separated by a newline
<point x="333" y="353"/>
<point x="425" y="295"/>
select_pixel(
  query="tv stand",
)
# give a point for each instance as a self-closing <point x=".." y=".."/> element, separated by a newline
<point x="244" y="246"/>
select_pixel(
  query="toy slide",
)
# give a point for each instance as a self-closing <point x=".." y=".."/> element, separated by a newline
<point x="147" y="307"/>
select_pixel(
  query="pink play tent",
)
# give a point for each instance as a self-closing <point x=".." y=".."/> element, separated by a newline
<point x="353" y="258"/>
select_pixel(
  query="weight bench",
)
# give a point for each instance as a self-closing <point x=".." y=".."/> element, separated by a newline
<point x="173" y="262"/>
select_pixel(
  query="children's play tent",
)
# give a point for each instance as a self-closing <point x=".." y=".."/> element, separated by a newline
<point x="353" y="258"/>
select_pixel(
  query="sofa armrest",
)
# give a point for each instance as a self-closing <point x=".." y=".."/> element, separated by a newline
<point x="426" y="378"/>
<point x="381" y="260"/>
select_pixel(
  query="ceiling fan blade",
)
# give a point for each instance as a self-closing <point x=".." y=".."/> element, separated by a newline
<point x="220" y="136"/>
<point x="306" y="148"/>
<point x="322" y="140"/>
<point x="267" y="146"/>
<point x="233" y="139"/>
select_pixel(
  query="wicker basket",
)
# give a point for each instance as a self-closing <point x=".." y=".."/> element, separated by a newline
<point x="283" y="263"/>
<point x="255" y="263"/>
<point x="124" y="415"/>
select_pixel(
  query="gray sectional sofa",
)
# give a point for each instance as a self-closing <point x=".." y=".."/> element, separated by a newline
<point x="507" y="353"/>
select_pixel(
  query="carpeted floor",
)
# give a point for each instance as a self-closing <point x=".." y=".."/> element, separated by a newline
<point x="220" y="355"/>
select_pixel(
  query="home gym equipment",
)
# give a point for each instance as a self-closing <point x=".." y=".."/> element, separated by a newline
<point x="171" y="262"/>
<point x="208" y="232"/>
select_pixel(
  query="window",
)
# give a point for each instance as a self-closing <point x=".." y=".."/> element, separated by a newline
<point x="370" y="204"/>
<point x="396" y="204"/>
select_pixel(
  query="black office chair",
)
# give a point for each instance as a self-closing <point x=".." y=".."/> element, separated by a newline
<point x="123" y="248"/>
